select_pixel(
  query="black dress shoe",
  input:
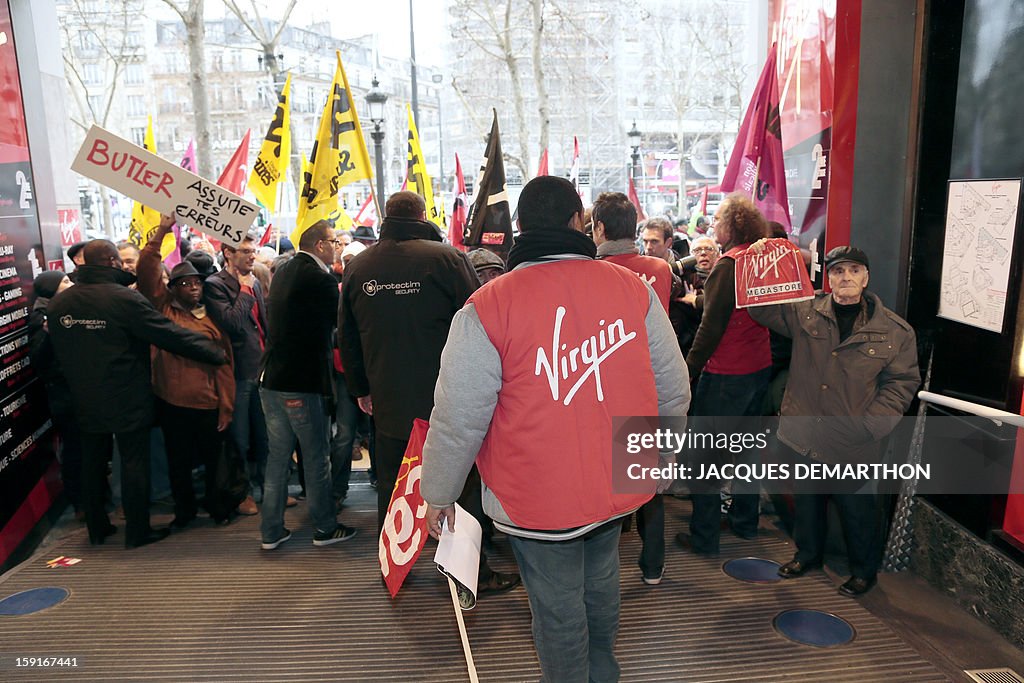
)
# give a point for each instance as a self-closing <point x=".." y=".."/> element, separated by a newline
<point x="857" y="586"/>
<point x="153" y="536"/>
<point x="497" y="583"/>
<point x="98" y="539"/>
<point x="182" y="521"/>
<point x="796" y="568"/>
<point x="685" y="541"/>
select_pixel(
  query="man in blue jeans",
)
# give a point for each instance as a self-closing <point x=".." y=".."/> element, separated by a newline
<point x="234" y="300"/>
<point x="511" y="381"/>
<point x="296" y="387"/>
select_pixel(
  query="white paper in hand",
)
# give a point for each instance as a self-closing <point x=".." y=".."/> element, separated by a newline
<point x="458" y="555"/>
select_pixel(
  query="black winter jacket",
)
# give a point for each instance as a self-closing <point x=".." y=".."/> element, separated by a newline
<point x="302" y="306"/>
<point x="231" y="309"/>
<point x="398" y="299"/>
<point x="101" y="333"/>
<point x="44" y="361"/>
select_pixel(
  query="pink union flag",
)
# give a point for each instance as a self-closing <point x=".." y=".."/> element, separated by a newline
<point x="756" y="166"/>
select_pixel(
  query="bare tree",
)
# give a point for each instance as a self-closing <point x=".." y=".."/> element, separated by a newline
<point x="195" y="30"/>
<point x="267" y="36"/>
<point x="703" y="80"/>
<point x="543" y="105"/>
<point x="98" y="47"/>
<point x="502" y="41"/>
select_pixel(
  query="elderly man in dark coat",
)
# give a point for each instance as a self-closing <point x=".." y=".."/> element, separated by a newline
<point x="853" y="375"/>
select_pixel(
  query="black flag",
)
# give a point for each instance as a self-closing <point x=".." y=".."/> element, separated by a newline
<point x="490" y="222"/>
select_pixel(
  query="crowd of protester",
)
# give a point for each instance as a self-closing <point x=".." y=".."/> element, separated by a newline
<point x="257" y="362"/>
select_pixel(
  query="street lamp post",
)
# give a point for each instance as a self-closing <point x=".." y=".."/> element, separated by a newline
<point x="376" y="98"/>
<point x="437" y="79"/>
<point x="634" y="136"/>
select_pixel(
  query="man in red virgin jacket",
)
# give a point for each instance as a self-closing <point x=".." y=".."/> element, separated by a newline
<point x="561" y="339"/>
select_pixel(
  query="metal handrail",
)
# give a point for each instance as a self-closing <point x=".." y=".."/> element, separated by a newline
<point x="994" y="414"/>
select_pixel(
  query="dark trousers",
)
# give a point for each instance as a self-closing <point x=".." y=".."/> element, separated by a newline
<point x="725" y="404"/>
<point x="858" y="514"/>
<point x="390" y="452"/>
<point x="249" y="430"/>
<point x="650" y="525"/>
<point x="192" y="438"/>
<point x="70" y="453"/>
<point x="97" y="450"/>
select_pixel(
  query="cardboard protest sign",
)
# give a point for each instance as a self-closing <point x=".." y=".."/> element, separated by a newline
<point x="775" y="275"/>
<point x="405" y="525"/>
<point x="165" y="186"/>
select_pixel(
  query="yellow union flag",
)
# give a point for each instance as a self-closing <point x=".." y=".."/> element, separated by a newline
<point x="338" y="158"/>
<point x="417" y="178"/>
<point x="272" y="162"/>
<point x="144" y="219"/>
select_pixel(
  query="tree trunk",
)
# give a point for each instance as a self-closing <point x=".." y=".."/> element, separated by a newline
<point x="538" y="73"/>
<point x="108" y="220"/>
<point x="194" y="36"/>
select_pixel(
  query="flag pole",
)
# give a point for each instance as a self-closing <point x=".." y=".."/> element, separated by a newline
<point x="376" y="203"/>
<point x="462" y="632"/>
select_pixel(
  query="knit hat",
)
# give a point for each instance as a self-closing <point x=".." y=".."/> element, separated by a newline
<point x="45" y="285"/>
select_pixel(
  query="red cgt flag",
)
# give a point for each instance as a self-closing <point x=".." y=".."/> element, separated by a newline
<point x="457" y="225"/>
<point x="367" y="214"/>
<point x="633" y="197"/>
<point x="542" y="167"/>
<point x="235" y="174"/>
<point x="756" y="165"/>
<point x="405" y="525"/>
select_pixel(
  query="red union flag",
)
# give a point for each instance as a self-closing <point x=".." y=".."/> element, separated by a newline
<point x="756" y="166"/>
<point x="775" y="275"/>
<point x="405" y="525"/>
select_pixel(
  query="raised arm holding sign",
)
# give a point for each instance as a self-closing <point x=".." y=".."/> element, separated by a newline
<point x="165" y="186"/>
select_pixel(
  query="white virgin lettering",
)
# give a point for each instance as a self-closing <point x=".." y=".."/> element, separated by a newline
<point x="564" y="362"/>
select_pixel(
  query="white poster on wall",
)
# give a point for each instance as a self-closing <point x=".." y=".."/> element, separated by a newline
<point x="981" y="217"/>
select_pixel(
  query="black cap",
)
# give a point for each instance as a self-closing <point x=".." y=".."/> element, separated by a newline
<point x="75" y="248"/>
<point x="846" y="254"/>
<point x="202" y="262"/>
<point x="183" y="270"/>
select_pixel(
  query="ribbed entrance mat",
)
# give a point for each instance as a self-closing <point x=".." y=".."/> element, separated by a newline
<point x="208" y="605"/>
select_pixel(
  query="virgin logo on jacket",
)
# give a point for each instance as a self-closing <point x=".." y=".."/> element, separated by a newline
<point x="582" y="361"/>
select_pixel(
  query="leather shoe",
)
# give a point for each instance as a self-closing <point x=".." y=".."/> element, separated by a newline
<point x="98" y="539"/>
<point x="291" y="502"/>
<point x="496" y="583"/>
<point x="153" y="536"/>
<point x="180" y="522"/>
<point x="796" y="568"/>
<point x="857" y="586"/>
<point x="685" y="542"/>
<point x="248" y="507"/>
